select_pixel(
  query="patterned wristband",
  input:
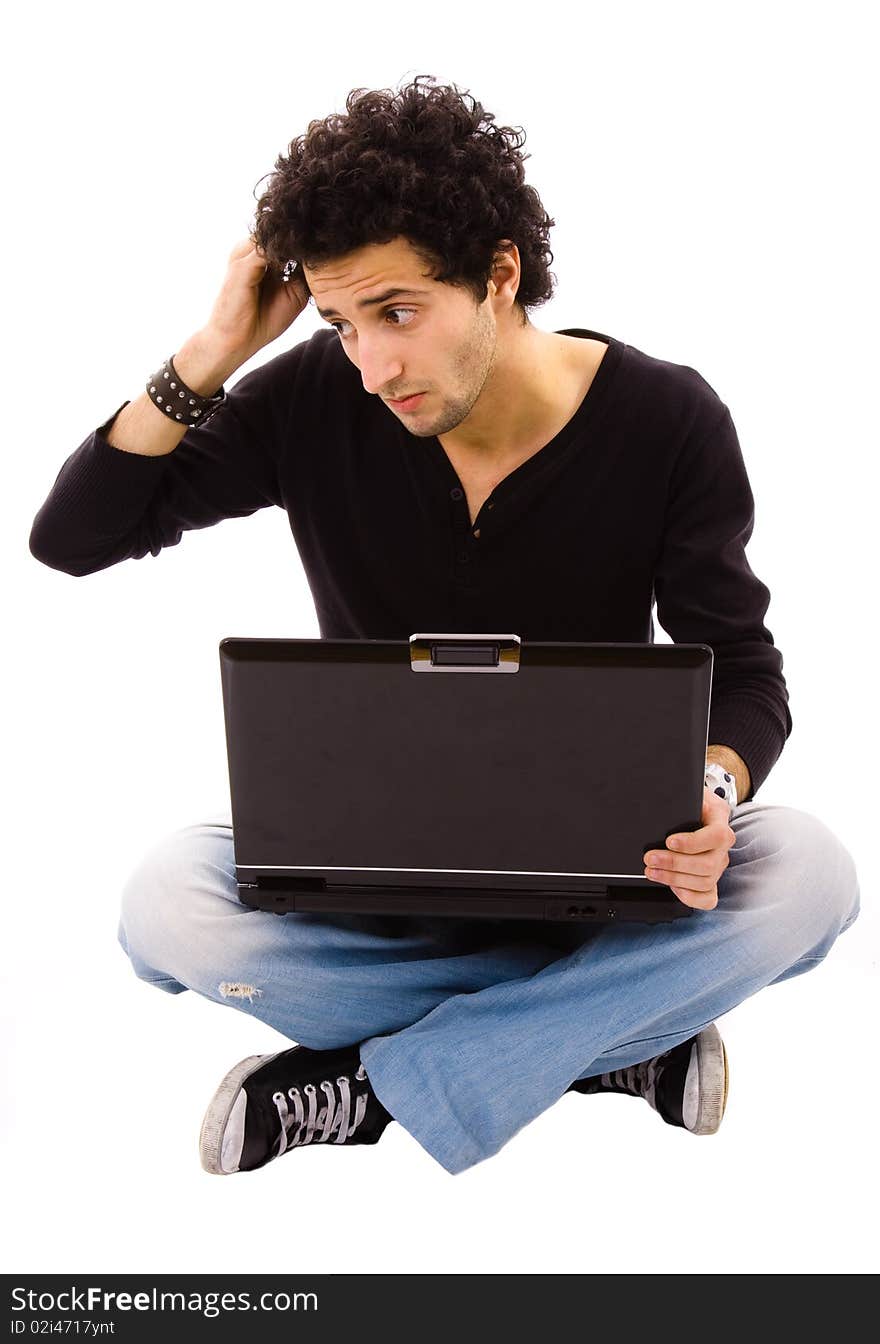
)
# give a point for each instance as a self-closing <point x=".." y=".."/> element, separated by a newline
<point x="722" y="782"/>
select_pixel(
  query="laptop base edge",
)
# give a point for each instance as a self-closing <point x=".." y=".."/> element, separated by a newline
<point x="568" y="907"/>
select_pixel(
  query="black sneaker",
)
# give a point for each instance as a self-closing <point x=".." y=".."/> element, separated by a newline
<point x="687" y="1085"/>
<point x="269" y="1104"/>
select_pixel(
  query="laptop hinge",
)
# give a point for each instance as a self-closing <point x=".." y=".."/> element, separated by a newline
<point x="464" y="653"/>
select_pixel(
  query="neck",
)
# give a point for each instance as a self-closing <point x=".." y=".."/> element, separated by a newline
<point x="520" y="397"/>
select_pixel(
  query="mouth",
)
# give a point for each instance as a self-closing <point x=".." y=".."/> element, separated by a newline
<point x="406" y="403"/>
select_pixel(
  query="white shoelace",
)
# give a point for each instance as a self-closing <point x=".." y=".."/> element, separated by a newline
<point x="318" y="1126"/>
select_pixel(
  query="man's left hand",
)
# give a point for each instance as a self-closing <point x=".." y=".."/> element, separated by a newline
<point x="694" y="860"/>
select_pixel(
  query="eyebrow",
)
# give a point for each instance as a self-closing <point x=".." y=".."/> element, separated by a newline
<point x="380" y="298"/>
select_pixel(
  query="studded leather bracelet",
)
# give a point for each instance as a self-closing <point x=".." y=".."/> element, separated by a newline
<point x="169" y="392"/>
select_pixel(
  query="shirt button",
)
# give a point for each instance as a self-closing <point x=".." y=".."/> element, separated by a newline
<point x="456" y="493"/>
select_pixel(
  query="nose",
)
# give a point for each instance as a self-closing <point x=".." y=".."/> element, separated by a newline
<point x="380" y="370"/>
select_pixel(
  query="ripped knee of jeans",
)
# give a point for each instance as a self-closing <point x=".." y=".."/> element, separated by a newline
<point x="234" y="989"/>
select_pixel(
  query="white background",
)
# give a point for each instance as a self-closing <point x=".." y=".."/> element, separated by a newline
<point x="709" y="171"/>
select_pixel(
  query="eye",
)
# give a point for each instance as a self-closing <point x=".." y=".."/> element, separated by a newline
<point x="411" y="311"/>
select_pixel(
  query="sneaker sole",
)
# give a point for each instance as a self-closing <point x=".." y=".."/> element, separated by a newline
<point x="713" y="1078"/>
<point x="219" y="1110"/>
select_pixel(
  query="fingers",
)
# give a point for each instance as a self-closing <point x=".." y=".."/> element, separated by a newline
<point x="703" y="841"/>
<point x="702" y="868"/>
<point x="242" y="248"/>
<point x="696" y="899"/>
<point x="693" y="881"/>
<point x="698" y="865"/>
<point x="701" y="893"/>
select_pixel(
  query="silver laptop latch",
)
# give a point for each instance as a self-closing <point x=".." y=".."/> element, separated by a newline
<point x="464" y="653"/>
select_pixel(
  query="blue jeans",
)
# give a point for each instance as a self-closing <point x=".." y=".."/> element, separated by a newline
<point x="470" y="1028"/>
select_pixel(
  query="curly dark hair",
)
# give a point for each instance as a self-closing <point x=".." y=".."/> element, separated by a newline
<point x="420" y="163"/>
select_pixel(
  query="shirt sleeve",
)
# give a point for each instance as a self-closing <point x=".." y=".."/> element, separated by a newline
<point x="707" y="593"/>
<point x="108" y="505"/>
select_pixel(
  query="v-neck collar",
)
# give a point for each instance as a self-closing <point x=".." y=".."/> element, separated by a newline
<point x="546" y="457"/>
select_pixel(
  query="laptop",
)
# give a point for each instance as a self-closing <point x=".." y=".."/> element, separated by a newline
<point x="462" y="774"/>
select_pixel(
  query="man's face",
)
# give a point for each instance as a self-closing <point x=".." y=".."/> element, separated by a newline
<point x="430" y="338"/>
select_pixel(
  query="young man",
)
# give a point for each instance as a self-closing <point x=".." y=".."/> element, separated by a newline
<point x="446" y="465"/>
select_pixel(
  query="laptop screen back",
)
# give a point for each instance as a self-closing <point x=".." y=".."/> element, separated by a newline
<point x="341" y="757"/>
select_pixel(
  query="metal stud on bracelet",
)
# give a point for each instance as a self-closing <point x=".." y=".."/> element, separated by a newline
<point x="167" y="390"/>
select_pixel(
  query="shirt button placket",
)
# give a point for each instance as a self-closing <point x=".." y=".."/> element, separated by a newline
<point x="461" y="525"/>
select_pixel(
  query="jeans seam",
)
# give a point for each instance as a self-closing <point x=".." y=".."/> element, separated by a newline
<point x="660" y="1036"/>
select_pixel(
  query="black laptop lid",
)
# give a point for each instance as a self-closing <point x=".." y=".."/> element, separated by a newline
<point x="461" y="760"/>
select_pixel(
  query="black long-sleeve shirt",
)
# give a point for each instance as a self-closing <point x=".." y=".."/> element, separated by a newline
<point x="642" y="496"/>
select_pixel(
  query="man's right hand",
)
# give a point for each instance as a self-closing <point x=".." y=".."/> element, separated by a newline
<point x="255" y="305"/>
